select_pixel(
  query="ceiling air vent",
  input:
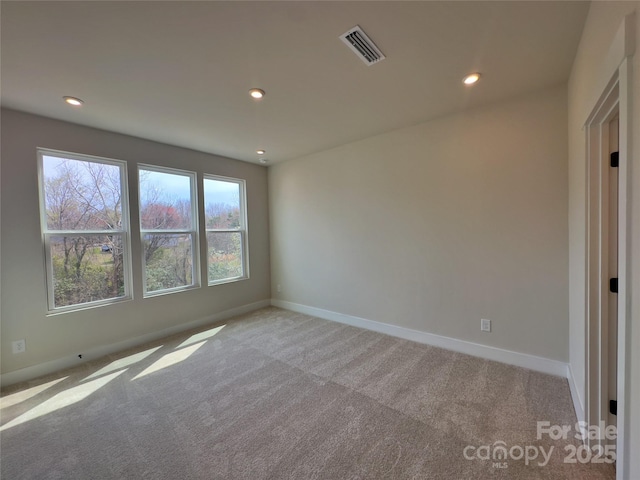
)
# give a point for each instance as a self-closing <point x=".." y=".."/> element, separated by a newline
<point x="362" y="45"/>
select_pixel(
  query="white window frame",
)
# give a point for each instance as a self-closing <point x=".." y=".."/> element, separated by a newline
<point x="193" y="232"/>
<point x="243" y="229"/>
<point x="124" y="231"/>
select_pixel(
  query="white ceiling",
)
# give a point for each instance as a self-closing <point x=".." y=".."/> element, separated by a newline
<point x="179" y="72"/>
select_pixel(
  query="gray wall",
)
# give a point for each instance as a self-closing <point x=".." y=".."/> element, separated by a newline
<point x="436" y="226"/>
<point x="23" y="297"/>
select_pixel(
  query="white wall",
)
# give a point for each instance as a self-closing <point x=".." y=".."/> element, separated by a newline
<point x="23" y="298"/>
<point x="436" y="226"/>
<point x="591" y="71"/>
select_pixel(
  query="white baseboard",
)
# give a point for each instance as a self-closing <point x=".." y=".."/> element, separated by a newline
<point x="35" y="371"/>
<point x="575" y="395"/>
<point x="532" y="362"/>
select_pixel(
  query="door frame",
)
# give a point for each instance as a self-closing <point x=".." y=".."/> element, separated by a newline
<point x="615" y="100"/>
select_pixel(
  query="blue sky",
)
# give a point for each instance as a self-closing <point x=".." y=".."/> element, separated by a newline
<point x="216" y="191"/>
<point x="177" y="187"/>
<point x="172" y="187"/>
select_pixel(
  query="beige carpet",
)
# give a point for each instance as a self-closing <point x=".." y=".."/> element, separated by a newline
<point x="279" y="395"/>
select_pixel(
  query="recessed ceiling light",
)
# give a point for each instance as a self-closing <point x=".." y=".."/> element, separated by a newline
<point x="260" y="152"/>
<point x="256" y="93"/>
<point x="76" y="102"/>
<point x="263" y="160"/>
<point x="471" y="78"/>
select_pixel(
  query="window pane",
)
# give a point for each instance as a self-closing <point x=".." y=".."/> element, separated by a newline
<point x="165" y="201"/>
<point x="222" y="204"/>
<point x="86" y="268"/>
<point x="168" y="261"/>
<point x="225" y="255"/>
<point x="81" y="195"/>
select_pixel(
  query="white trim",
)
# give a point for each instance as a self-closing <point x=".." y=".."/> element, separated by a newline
<point x="578" y="404"/>
<point x="52" y="366"/>
<point x="625" y="213"/>
<point x="85" y="232"/>
<point x="524" y="360"/>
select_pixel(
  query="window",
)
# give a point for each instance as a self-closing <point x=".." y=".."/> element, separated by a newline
<point x="168" y="227"/>
<point x="86" y="232"/>
<point x="85" y="228"/>
<point x="224" y="200"/>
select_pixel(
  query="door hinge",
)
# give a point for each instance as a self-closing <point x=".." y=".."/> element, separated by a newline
<point x="613" y="285"/>
<point x="613" y="407"/>
<point x="614" y="159"/>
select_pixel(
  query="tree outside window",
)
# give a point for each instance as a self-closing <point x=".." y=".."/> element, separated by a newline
<point x="85" y="229"/>
<point x="226" y="229"/>
<point x="168" y="229"/>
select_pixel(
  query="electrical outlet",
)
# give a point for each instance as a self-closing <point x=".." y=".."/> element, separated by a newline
<point x="19" y="346"/>
<point x="279" y="288"/>
<point x="485" y="325"/>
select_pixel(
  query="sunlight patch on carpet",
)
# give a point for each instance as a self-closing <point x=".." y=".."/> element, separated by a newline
<point x="201" y="336"/>
<point x="170" y="359"/>
<point x="123" y="363"/>
<point x="62" y="399"/>
<point x="14" y="398"/>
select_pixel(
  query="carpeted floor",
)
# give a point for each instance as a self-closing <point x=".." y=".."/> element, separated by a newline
<point x="279" y="395"/>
